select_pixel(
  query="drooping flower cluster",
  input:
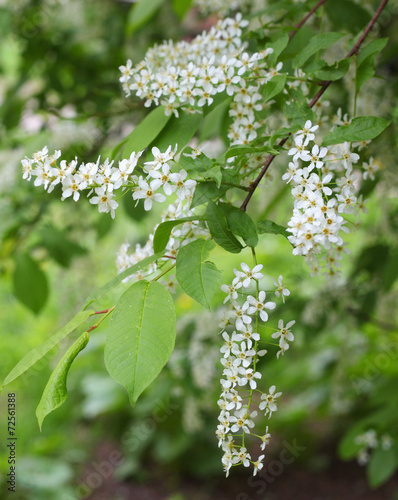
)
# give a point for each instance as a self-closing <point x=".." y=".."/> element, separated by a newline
<point x="188" y="75"/>
<point x="240" y="355"/>
<point x="369" y="441"/>
<point x="324" y="189"/>
<point x="102" y="179"/>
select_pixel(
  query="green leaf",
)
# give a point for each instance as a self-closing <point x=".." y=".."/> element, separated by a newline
<point x="371" y="48"/>
<point x="40" y="351"/>
<point x="140" y="13"/>
<point x="273" y="87"/>
<point x="243" y="150"/>
<point x="219" y="229"/>
<point x="213" y="121"/>
<point x="146" y="131"/>
<point x="297" y="111"/>
<point x="333" y="72"/>
<point x="362" y="128"/>
<point x="318" y="42"/>
<point x="206" y="191"/>
<point x="179" y="131"/>
<point x="114" y="282"/>
<point x="268" y="226"/>
<point x="347" y="15"/>
<point x="59" y="246"/>
<point x="141" y="336"/>
<point x="199" y="278"/>
<point x="278" y="47"/>
<point x="381" y="467"/>
<point x="55" y="392"/>
<point x="164" y="229"/>
<point x="30" y="283"/>
<point x="240" y="223"/>
<point x="181" y="7"/>
<point x="214" y="173"/>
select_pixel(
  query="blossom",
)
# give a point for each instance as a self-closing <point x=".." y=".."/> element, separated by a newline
<point x="104" y="201"/>
<point x="147" y="192"/>
<point x="268" y="401"/>
<point x="281" y="290"/>
<point x="244" y="277"/>
<point x="259" y="305"/>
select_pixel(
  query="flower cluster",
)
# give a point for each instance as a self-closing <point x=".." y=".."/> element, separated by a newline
<point x="324" y="188"/>
<point x="102" y="179"/>
<point x="369" y="441"/>
<point x="220" y="7"/>
<point x="188" y="75"/>
<point x="240" y="355"/>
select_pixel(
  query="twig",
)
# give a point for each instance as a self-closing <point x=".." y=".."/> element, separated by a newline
<point x="298" y="26"/>
<point x="322" y="90"/>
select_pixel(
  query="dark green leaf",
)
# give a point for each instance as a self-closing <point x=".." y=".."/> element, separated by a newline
<point x="140" y="13"/>
<point x="59" y="246"/>
<point x="146" y="131"/>
<point x="164" y="229"/>
<point x="199" y="278"/>
<point x="318" y="42"/>
<point x="179" y="131"/>
<point x="382" y="466"/>
<point x="347" y="15"/>
<point x="372" y="48"/>
<point x="206" y="191"/>
<point x="219" y="229"/>
<point x="55" y="392"/>
<point x="30" y="283"/>
<point x="273" y="87"/>
<point x="333" y="72"/>
<point x="362" y="128"/>
<point x="240" y="223"/>
<point x="141" y="336"/>
<point x="181" y="7"/>
<point x="267" y="226"/>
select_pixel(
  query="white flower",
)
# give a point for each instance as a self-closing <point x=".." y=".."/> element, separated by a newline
<point x="259" y="305"/>
<point x="284" y="333"/>
<point x="244" y="278"/>
<point x="258" y="464"/>
<point x="281" y="290"/>
<point x="184" y="187"/>
<point x="104" y="201"/>
<point x="268" y="401"/>
<point x="147" y="192"/>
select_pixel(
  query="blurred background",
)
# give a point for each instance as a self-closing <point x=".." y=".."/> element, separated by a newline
<point x="59" y="87"/>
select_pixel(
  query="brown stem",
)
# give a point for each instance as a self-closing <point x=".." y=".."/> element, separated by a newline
<point x="298" y="26"/>
<point x="321" y="91"/>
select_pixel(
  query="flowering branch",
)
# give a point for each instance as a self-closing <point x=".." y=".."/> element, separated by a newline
<point x="322" y="90"/>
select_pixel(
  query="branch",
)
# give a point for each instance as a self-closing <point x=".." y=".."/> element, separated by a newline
<point x="298" y="26"/>
<point x="322" y="90"/>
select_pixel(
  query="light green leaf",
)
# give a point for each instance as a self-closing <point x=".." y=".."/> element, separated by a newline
<point x="38" y="352"/>
<point x="214" y="173"/>
<point x="240" y="223"/>
<point x="181" y="7"/>
<point x="333" y="72"/>
<point x="55" y="392"/>
<point x="318" y="42"/>
<point x="114" y="282"/>
<point x="268" y="226"/>
<point x="219" y="229"/>
<point x="164" y="229"/>
<point x="179" y="131"/>
<point x="146" y="131"/>
<point x="199" y="278"/>
<point x="59" y="246"/>
<point x="366" y="61"/>
<point x="382" y="466"/>
<point x="140" y="13"/>
<point x="362" y="128"/>
<point x="273" y="87"/>
<point x="141" y="336"/>
<point x="30" y="283"/>
<point x="278" y="47"/>
<point x="371" y="48"/>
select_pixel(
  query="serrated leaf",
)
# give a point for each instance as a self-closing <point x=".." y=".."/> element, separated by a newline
<point x="318" y="42"/>
<point x="362" y="128"/>
<point x="164" y="229"/>
<point x="268" y="226"/>
<point x="333" y="72"/>
<point x="371" y="48"/>
<point x="278" y="47"/>
<point x="30" y="283"/>
<point x="214" y="173"/>
<point x="147" y="130"/>
<point x="55" y="392"/>
<point x="40" y="351"/>
<point x="114" y="282"/>
<point x="219" y="229"/>
<point x="365" y="72"/>
<point x="141" y="336"/>
<point x="179" y="131"/>
<point x="273" y="87"/>
<point x="240" y="223"/>
<point x="199" y="278"/>
<point x="140" y="13"/>
<point x="382" y="465"/>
